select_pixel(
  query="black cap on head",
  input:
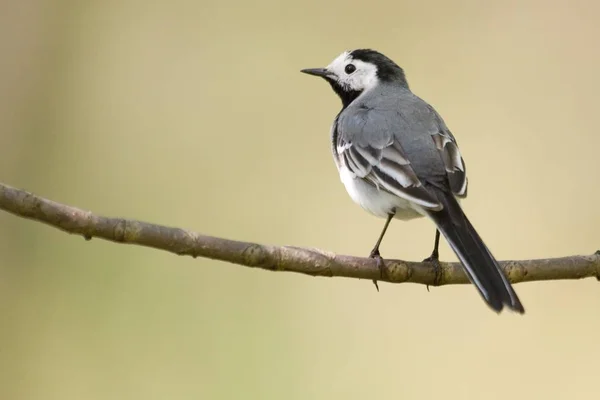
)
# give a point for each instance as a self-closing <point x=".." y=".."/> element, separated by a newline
<point x="387" y="70"/>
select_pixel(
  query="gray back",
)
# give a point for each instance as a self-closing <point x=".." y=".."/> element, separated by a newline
<point x="391" y="116"/>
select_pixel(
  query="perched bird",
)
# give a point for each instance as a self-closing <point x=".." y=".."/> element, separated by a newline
<point x="398" y="159"/>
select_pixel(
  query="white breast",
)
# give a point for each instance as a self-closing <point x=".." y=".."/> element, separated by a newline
<point x="378" y="202"/>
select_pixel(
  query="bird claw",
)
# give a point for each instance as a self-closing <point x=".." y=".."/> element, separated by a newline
<point x="437" y="268"/>
<point x="380" y="265"/>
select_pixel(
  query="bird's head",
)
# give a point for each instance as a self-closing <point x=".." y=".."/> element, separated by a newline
<point x="356" y="71"/>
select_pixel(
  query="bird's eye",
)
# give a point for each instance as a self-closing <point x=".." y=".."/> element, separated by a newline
<point x="350" y="68"/>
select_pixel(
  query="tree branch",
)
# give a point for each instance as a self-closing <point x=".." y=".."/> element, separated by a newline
<point x="285" y="258"/>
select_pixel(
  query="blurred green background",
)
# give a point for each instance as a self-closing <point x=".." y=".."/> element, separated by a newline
<point x="194" y="114"/>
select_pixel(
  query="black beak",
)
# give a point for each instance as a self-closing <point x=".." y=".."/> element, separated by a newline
<point x="322" y="72"/>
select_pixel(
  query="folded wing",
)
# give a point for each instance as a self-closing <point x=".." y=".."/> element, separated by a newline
<point x="367" y="146"/>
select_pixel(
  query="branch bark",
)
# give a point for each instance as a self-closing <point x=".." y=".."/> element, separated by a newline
<point x="313" y="262"/>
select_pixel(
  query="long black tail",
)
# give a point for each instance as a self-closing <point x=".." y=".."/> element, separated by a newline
<point x="480" y="265"/>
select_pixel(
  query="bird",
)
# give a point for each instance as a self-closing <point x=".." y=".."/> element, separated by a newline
<point x="397" y="159"/>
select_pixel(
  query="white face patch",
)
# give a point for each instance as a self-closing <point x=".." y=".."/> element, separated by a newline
<point x="364" y="77"/>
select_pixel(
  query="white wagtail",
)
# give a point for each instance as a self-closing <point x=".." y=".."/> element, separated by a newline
<point x="398" y="159"/>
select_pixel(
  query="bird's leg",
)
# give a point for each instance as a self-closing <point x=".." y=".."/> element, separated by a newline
<point x="375" y="252"/>
<point x="434" y="258"/>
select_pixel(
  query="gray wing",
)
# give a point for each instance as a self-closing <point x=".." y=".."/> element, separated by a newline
<point x="367" y="144"/>
<point x="453" y="161"/>
<point x="378" y="144"/>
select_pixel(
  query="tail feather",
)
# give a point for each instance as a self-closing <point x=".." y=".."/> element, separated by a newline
<point x="480" y="265"/>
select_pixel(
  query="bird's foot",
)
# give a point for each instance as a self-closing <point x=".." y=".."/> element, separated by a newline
<point x="380" y="264"/>
<point x="437" y="268"/>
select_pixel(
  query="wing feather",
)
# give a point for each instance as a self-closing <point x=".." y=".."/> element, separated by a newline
<point x="453" y="162"/>
<point x="362" y="167"/>
<point x="369" y="141"/>
<point x="387" y="168"/>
